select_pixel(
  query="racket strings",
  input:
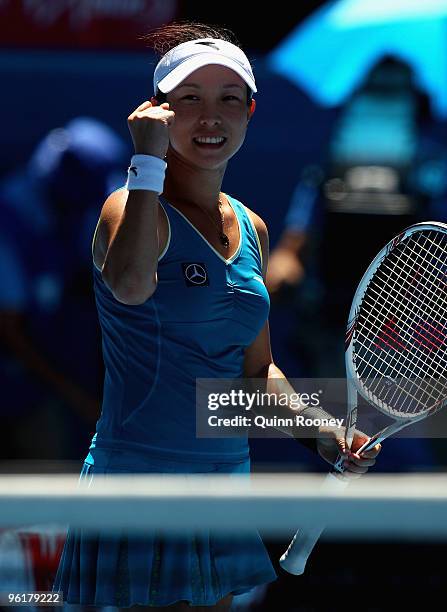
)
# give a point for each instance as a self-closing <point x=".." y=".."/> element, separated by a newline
<point x="428" y="336"/>
<point x="399" y="345"/>
<point x="416" y="297"/>
<point x="428" y="332"/>
<point x="395" y="337"/>
<point x="391" y="341"/>
<point x="390" y="332"/>
<point x="398" y="369"/>
<point x="437" y="280"/>
<point x="400" y="329"/>
<point x="422" y="275"/>
<point x="424" y="392"/>
<point x="384" y="385"/>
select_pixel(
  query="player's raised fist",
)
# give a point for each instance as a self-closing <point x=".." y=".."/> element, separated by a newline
<point x="149" y="127"/>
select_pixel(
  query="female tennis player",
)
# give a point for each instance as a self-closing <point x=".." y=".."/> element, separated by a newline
<point x="178" y="278"/>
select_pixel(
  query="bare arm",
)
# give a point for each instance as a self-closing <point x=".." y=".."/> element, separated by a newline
<point x="258" y="360"/>
<point x="258" y="363"/>
<point x="128" y="234"/>
<point x="128" y="229"/>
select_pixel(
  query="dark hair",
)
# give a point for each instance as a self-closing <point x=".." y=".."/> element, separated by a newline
<point x="166" y="37"/>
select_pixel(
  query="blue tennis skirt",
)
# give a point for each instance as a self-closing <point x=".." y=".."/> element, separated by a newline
<point x="158" y="569"/>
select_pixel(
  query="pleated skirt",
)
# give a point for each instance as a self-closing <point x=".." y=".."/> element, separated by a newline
<point x="158" y="569"/>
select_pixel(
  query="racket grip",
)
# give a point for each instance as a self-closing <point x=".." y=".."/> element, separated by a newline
<point x="295" y="558"/>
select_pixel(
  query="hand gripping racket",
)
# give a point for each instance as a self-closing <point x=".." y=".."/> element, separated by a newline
<point x="396" y="348"/>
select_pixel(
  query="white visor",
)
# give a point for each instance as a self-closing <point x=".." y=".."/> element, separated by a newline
<point x="184" y="59"/>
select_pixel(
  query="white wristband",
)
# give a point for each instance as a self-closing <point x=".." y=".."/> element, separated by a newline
<point x="146" y="172"/>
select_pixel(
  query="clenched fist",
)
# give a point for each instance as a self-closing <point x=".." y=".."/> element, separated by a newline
<point x="149" y="127"/>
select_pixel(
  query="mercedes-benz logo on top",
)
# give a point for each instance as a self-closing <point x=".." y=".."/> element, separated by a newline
<point x="195" y="274"/>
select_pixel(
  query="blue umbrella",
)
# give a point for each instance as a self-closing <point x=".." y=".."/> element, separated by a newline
<point x="329" y="54"/>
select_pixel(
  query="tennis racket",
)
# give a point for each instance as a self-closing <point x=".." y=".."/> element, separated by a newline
<point x="396" y="348"/>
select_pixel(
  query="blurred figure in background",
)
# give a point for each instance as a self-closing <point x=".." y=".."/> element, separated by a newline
<point x="371" y="186"/>
<point x="50" y="372"/>
<point x="343" y="212"/>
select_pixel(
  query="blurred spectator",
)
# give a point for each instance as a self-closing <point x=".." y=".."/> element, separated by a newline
<point x="343" y="212"/>
<point x="50" y="362"/>
<point x="374" y="183"/>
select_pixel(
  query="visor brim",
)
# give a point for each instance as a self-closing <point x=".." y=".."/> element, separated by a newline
<point x="181" y="72"/>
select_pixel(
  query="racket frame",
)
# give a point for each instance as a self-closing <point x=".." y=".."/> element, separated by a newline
<point x="295" y="557"/>
<point x="354" y="384"/>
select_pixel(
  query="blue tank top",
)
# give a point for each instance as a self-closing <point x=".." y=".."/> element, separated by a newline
<point x="204" y="313"/>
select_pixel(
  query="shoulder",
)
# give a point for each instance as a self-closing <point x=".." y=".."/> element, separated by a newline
<point x="259" y="223"/>
<point x="262" y="232"/>
<point x="109" y="220"/>
<point x="113" y="206"/>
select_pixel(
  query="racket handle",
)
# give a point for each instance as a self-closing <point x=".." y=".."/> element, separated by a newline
<point x="295" y="558"/>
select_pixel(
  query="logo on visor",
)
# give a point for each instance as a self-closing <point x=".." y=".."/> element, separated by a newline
<point x="195" y="274"/>
<point x="209" y="44"/>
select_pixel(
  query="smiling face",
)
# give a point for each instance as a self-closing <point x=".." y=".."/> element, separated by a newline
<point x="211" y="102"/>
